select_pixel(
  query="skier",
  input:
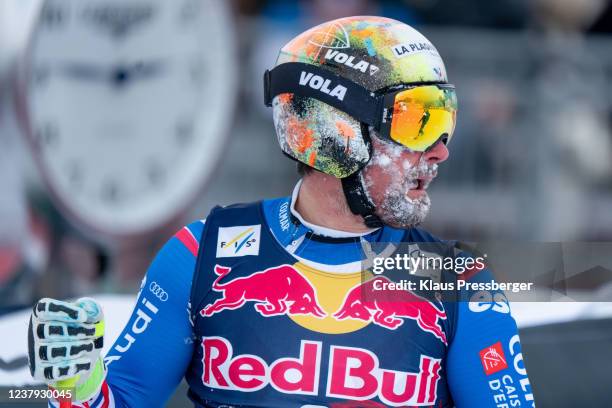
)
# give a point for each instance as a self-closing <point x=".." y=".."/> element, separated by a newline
<point x="268" y="304"/>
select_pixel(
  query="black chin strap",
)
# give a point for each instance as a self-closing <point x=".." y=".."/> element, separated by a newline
<point x="358" y="201"/>
<point x="355" y="194"/>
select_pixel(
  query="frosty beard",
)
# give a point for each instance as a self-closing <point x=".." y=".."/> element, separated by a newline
<point x="396" y="208"/>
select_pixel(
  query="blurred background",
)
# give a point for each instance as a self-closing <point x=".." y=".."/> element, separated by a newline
<point x="121" y="121"/>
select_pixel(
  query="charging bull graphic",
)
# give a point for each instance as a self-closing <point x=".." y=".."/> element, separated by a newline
<point x="387" y="308"/>
<point x="276" y="291"/>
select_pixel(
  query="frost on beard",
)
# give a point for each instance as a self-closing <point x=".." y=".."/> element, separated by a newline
<point x="397" y="208"/>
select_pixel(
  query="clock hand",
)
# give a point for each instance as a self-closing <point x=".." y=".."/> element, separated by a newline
<point x="85" y="71"/>
<point x="123" y="74"/>
<point x="148" y="69"/>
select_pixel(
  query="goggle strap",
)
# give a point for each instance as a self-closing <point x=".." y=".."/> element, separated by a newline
<point x="315" y="82"/>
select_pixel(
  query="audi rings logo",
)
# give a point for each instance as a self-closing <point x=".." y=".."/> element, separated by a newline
<point x="158" y="291"/>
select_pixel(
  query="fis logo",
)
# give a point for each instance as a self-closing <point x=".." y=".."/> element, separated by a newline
<point x="238" y="241"/>
<point x="320" y="84"/>
<point x="347" y="60"/>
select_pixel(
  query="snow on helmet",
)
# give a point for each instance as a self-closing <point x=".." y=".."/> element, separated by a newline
<point x="374" y="52"/>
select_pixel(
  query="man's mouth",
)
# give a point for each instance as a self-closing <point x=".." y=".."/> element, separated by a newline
<point x="420" y="183"/>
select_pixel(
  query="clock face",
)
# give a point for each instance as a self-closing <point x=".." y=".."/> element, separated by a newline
<point x="127" y="104"/>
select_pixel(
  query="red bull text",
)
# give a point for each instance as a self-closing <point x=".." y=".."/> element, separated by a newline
<point x="353" y="373"/>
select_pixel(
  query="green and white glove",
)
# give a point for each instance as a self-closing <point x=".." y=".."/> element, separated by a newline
<point x="64" y="344"/>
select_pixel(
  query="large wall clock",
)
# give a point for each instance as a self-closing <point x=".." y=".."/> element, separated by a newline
<point x="127" y="105"/>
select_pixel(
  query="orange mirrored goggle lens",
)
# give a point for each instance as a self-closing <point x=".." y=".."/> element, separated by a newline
<point x="422" y="115"/>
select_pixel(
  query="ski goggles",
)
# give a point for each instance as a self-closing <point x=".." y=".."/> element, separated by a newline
<point x="416" y="116"/>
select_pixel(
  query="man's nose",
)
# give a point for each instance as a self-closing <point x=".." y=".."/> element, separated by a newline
<point x="437" y="154"/>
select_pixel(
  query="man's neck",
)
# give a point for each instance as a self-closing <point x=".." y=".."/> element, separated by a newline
<point x="321" y="202"/>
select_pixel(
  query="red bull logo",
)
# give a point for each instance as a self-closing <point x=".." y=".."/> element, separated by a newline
<point x="352" y="374"/>
<point x="279" y="290"/>
<point x="389" y="308"/>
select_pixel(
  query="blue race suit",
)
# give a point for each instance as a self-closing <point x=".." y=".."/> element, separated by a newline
<point x="255" y="309"/>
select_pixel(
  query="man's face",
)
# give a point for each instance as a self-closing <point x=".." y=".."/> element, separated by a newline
<point x="396" y="180"/>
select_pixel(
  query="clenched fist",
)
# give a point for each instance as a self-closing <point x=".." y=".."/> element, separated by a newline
<point x="64" y="344"/>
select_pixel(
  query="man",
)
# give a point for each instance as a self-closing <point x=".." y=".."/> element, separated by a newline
<point x="266" y="304"/>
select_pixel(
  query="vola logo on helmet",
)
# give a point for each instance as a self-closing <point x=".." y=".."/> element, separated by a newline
<point x="321" y="84"/>
<point x="347" y="60"/>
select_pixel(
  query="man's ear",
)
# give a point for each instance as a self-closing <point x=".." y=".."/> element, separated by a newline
<point x="304" y="169"/>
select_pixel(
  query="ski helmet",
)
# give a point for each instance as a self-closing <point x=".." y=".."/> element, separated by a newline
<point x="356" y="58"/>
